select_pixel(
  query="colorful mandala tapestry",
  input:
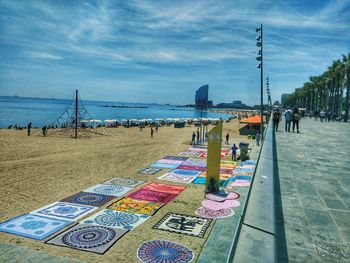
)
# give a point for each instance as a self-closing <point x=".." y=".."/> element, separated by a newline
<point x="162" y="251"/>
<point x="33" y="226"/>
<point x="136" y="206"/>
<point x="97" y="239"/>
<point x="165" y="188"/>
<point x="178" y="178"/>
<point x="150" y="171"/>
<point x="104" y="189"/>
<point x="91" y="199"/>
<point x="213" y="214"/>
<point x="116" y="219"/>
<point x="124" y="182"/>
<point x="153" y="196"/>
<point x="66" y="211"/>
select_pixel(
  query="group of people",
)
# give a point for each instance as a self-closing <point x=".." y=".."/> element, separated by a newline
<point x="289" y="117"/>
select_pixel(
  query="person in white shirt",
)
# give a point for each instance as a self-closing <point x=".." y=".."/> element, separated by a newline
<point x="288" y="118"/>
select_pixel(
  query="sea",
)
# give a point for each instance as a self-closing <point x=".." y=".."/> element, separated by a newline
<point x="20" y="111"/>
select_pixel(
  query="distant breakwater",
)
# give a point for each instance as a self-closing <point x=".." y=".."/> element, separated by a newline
<point x="129" y="107"/>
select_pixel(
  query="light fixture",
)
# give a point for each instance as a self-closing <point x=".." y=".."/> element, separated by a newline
<point x="258" y="58"/>
<point x="258" y="65"/>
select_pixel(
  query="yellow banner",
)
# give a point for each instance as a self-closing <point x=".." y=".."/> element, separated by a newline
<point x="213" y="159"/>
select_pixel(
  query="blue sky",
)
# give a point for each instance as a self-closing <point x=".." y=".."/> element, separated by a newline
<point x="162" y="51"/>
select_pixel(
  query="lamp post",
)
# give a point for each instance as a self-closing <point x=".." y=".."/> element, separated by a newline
<point x="259" y="58"/>
<point x="268" y="91"/>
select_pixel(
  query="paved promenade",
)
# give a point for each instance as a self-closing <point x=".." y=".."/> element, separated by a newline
<point x="314" y="178"/>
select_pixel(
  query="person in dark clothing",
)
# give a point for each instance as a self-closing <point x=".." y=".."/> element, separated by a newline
<point x="152" y="131"/>
<point x="227" y="138"/>
<point x="198" y="136"/>
<point x="193" y="142"/>
<point x="29" y="128"/>
<point x="234" y="152"/>
<point x="276" y="118"/>
<point x="44" y="131"/>
<point x="295" y="119"/>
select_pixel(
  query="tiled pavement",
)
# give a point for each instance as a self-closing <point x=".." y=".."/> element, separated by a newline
<point x="314" y="179"/>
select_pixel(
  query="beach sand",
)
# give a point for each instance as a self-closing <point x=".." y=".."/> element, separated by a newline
<point x="37" y="171"/>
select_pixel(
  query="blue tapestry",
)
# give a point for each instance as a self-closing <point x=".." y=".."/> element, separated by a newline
<point x="33" y="226"/>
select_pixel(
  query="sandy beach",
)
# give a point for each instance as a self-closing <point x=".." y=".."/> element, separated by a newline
<point x="37" y="171"/>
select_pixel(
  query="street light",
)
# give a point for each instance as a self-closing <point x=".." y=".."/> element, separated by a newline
<point x="259" y="44"/>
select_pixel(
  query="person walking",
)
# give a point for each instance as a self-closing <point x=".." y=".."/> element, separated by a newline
<point x="288" y="119"/>
<point x="257" y="139"/>
<point x="322" y="115"/>
<point x="193" y="142"/>
<point x="152" y="131"/>
<point x="295" y="119"/>
<point x="44" y="130"/>
<point x="227" y="138"/>
<point x="29" y="128"/>
<point x="276" y="118"/>
<point x="234" y="152"/>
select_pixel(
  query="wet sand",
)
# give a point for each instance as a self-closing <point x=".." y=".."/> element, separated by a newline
<point x="37" y="171"/>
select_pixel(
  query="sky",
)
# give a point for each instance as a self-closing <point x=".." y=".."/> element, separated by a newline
<point x="163" y="51"/>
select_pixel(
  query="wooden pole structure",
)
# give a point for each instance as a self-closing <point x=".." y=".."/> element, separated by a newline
<point x="76" y="114"/>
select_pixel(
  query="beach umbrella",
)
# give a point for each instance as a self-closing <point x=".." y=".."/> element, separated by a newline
<point x="134" y="120"/>
<point x="95" y="121"/>
<point x="142" y="120"/>
<point x="124" y="120"/>
<point x="84" y="121"/>
<point x="149" y="120"/>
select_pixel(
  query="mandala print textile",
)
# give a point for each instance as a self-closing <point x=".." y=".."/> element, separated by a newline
<point x="185" y="172"/>
<point x="178" y="178"/>
<point x="199" y="180"/>
<point x="91" y="199"/>
<point x="249" y="162"/>
<point x="196" y="162"/>
<point x="33" y="226"/>
<point x="184" y="224"/>
<point x="150" y="171"/>
<point x="66" y="211"/>
<point x="153" y="196"/>
<point x="164" y="165"/>
<point x="124" y="182"/>
<point x="218" y="198"/>
<point x="179" y="158"/>
<point x="198" y="149"/>
<point x="192" y="168"/>
<point x="239" y="183"/>
<point x="116" y="219"/>
<point x="222" y="176"/>
<point x="213" y="214"/>
<point x="169" y="161"/>
<point x="165" y="188"/>
<point x="228" y="163"/>
<point x="243" y="177"/>
<point x="190" y="154"/>
<point x="104" y="189"/>
<point x="162" y="251"/>
<point x="97" y="239"/>
<point x="213" y="205"/>
<point x="238" y="171"/>
<point x="225" y="171"/>
<point x="135" y="206"/>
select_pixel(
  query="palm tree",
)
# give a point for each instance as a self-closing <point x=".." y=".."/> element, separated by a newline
<point x="346" y="62"/>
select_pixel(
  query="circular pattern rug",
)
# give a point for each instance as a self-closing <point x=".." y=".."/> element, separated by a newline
<point x="218" y="198"/>
<point x="212" y="205"/>
<point x="90" y="198"/>
<point x="124" y="181"/>
<point x="207" y="213"/>
<point x="88" y="237"/>
<point x="108" y="189"/>
<point x="162" y="251"/>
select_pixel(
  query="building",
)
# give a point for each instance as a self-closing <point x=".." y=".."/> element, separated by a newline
<point x="201" y="98"/>
<point x="236" y="104"/>
<point x="283" y="99"/>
